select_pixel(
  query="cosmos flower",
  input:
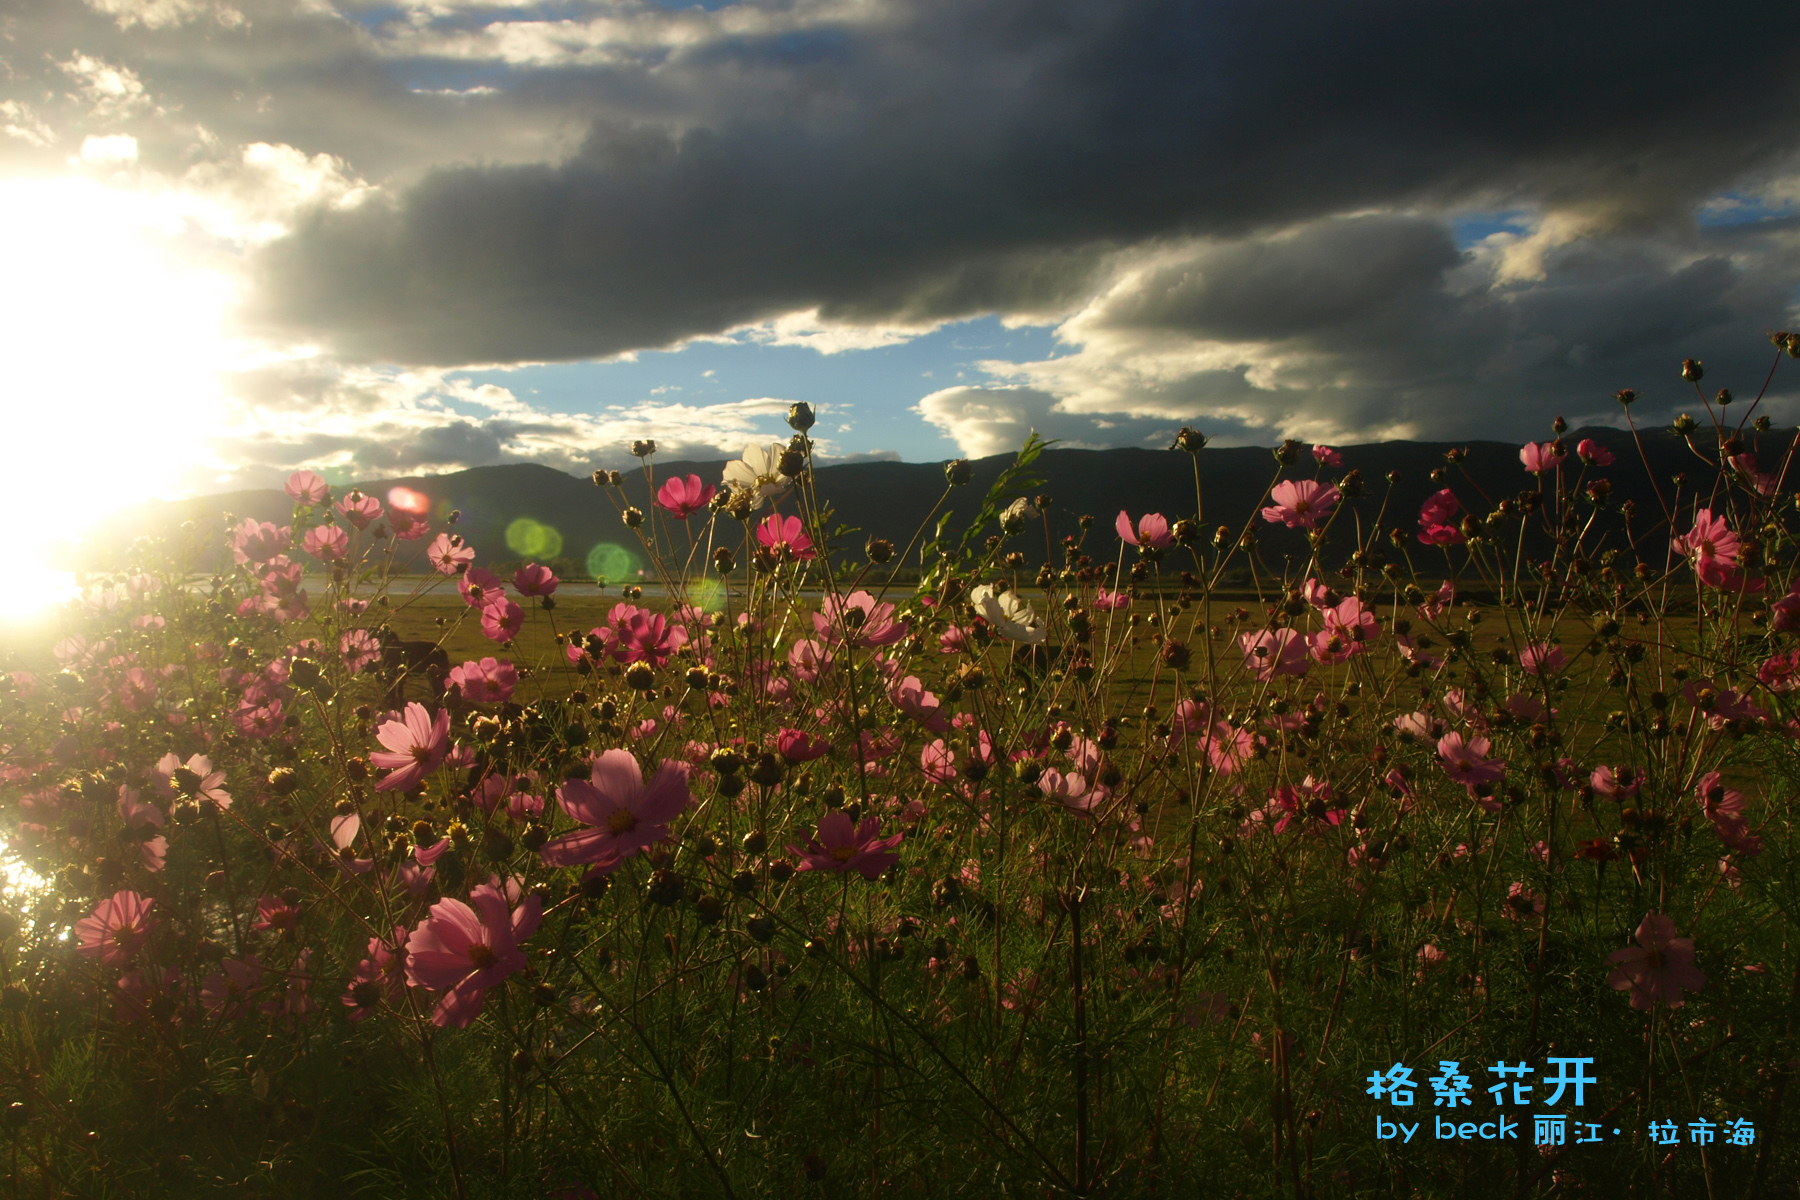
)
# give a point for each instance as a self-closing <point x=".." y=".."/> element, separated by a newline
<point x="489" y="681"/>
<point x="534" y="580"/>
<point x="1467" y="761"/>
<point x="461" y="952"/>
<point x="1272" y="652"/>
<point x="118" y="926"/>
<point x="785" y="536"/>
<point x="327" y="543"/>
<point x="1010" y="616"/>
<point x="1151" y="532"/>
<point x="621" y="814"/>
<point x="307" y="488"/>
<point x="858" y="620"/>
<point x="681" y="497"/>
<point x="839" y="847"/>
<point x="450" y="555"/>
<point x="1539" y="457"/>
<point x="416" y="745"/>
<point x="1659" y="968"/>
<point x="758" y="474"/>
<point x="1300" y="503"/>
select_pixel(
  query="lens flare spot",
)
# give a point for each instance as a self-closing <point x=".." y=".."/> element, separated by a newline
<point x="533" y="539"/>
<point x="707" y="595"/>
<point x="409" y="501"/>
<point x="608" y="560"/>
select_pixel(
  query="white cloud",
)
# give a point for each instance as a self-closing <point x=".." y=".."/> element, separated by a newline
<point x="166" y="14"/>
<point x="810" y="330"/>
<point x="111" y="92"/>
<point x="112" y="148"/>
<point x="23" y="123"/>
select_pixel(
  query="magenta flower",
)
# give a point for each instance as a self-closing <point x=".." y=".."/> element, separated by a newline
<point x="479" y="586"/>
<point x="1072" y="791"/>
<point x="622" y="814"/>
<point x="416" y="745"/>
<point x="1712" y="548"/>
<point x="1325" y="456"/>
<point x="1152" y="531"/>
<point x="307" y="488"/>
<point x="1105" y="601"/>
<point x="227" y="992"/>
<point x="502" y="618"/>
<point x="910" y="696"/>
<point x="683" y="497"/>
<point x="1540" y="457"/>
<point x="858" y="620"/>
<point x="1521" y="902"/>
<point x="1593" y="453"/>
<point x="489" y="681"/>
<point x="360" y="510"/>
<point x="534" y="580"/>
<point x="1659" y="967"/>
<point x="1300" y="503"/>
<point x="1272" y="652"/>
<point x="195" y="778"/>
<point x="785" y="537"/>
<point x="1437" y="517"/>
<point x="450" y="555"/>
<point x="360" y="650"/>
<point x="1617" y="783"/>
<point x="798" y="747"/>
<point x="1467" y="761"/>
<point x="460" y="952"/>
<point x="118" y="926"/>
<point x="142" y="819"/>
<point x="327" y="543"/>
<point x="1542" y="658"/>
<point x="645" y="636"/>
<point x="259" y="541"/>
<point x="839" y="847"/>
<point x="809" y="661"/>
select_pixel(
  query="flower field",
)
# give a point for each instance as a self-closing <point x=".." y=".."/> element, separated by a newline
<point x="338" y="864"/>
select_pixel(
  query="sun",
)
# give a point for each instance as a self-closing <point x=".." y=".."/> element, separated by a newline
<point x="115" y="335"/>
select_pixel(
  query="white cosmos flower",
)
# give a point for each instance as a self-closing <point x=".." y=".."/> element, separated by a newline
<point x="1017" y="513"/>
<point x="1008" y="614"/>
<point x="758" y="474"/>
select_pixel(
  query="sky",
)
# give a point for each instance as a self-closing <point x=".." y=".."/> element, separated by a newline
<point x="246" y="236"/>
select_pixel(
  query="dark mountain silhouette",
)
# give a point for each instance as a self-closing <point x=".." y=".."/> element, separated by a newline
<point x="893" y="499"/>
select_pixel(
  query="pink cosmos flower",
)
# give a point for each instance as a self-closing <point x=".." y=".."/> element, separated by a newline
<point x="461" y="952"/>
<point x="1660" y="967"/>
<point x="910" y="696"/>
<point x="1269" y="653"/>
<point x="1105" y="601"/>
<point x="799" y="747"/>
<point x="785" y="536"/>
<point x="1437" y="519"/>
<point x="118" y="926"/>
<point x="273" y="914"/>
<point x="534" y="580"/>
<point x="1300" y="503"/>
<point x="683" y="497"/>
<point x="227" y="992"/>
<point x="408" y="527"/>
<point x="1152" y="531"/>
<point x="1711" y="547"/>
<point x="450" y="555"/>
<point x="142" y="819"/>
<point x="360" y="510"/>
<point x="1542" y="658"/>
<point x="1780" y="673"/>
<point x="1228" y="750"/>
<point x="1593" y="453"/>
<point x="416" y="745"/>
<point x="1616" y="783"/>
<point x="489" y="681"/>
<point x="502" y="618"/>
<point x="858" y="620"/>
<point x="1325" y="456"/>
<point x="1521" y="902"/>
<point x="955" y="640"/>
<point x="1071" y="790"/>
<point x="479" y="586"/>
<point x="195" y="778"/>
<point x="360" y="650"/>
<point x="809" y="661"/>
<point x="622" y="814"/>
<point x="137" y="690"/>
<point x="327" y="543"/>
<point x="839" y="847"/>
<point x="259" y="541"/>
<point x="1467" y="761"/>
<point x="645" y="636"/>
<point x="1539" y="457"/>
<point x="307" y="488"/>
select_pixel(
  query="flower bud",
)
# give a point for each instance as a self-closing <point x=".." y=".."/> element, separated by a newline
<point x="800" y="416"/>
<point x="640" y="676"/>
<point x="633" y="517"/>
<point x="1190" y="440"/>
<point x="643" y="448"/>
<point x="879" y="550"/>
<point x="1685" y="425"/>
<point x="723" y="562"/>
<point x="793" y="463"/>
<point x="1287" y="452"/>
<point x="1691" y="370"/>
<point x="958" y="472"/>
<point x="1625" y="396"/>
<point x="1723" y="398"/>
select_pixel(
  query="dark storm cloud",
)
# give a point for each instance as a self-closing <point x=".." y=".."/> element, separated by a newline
<point x="953" y="158"/>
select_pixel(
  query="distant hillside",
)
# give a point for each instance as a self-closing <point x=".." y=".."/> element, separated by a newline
<point x="891" y="499"/>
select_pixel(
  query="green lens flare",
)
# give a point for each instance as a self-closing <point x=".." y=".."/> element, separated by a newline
<point x="708" y="595"/>
<point x="609" y="560"/>
<point x="533" y="539"/>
